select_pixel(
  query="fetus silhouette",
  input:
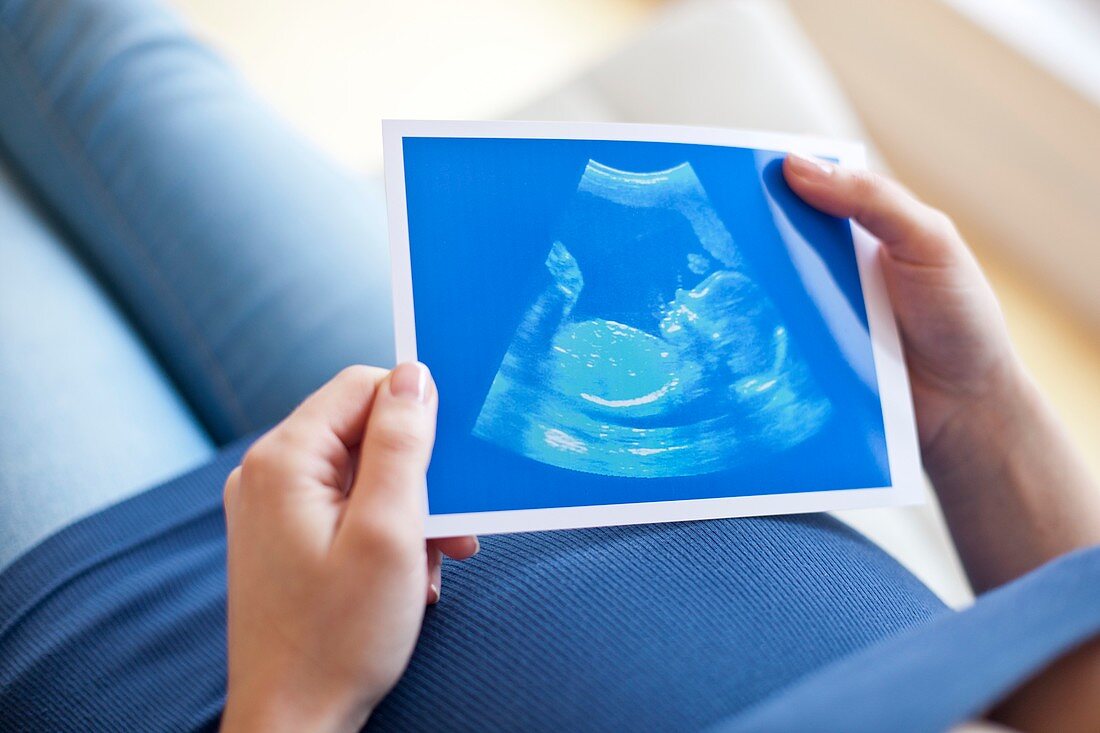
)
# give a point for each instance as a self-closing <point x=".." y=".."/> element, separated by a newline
<point x="649" y="352"/>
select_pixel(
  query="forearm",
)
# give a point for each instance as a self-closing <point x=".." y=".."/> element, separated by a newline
<point x="1016" y="494"/>
<point x="1014" y="491"/>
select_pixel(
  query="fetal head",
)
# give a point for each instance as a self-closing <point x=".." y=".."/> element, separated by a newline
<point x="726" y="322"/>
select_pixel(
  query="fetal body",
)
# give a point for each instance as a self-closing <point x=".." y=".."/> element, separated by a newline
<point x="650" y="352"/>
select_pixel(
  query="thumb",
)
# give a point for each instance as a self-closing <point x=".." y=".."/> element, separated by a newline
<point x="388" y="494"/>
<point x="911" y="231"/>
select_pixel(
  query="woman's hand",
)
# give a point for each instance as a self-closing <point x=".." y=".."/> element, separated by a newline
<point x="956" y="344"/>
<point x="328" y="571"/>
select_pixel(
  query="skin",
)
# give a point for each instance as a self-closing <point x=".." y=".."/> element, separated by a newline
<point x="328" y="569"/>
<point x="329" y="574"/>
<point x="1014" y="491"/>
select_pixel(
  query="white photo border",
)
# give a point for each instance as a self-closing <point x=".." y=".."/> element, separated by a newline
<point x="893" y="380"/>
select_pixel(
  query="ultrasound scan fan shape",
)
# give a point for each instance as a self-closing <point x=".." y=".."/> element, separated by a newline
<point x="649" y="351"/>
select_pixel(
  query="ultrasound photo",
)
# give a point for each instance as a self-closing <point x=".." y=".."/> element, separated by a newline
<point x="616" y="322"/>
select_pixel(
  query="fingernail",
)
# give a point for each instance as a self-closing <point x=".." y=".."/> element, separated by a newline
<point x="477" y="545"/>
<point x="811" y="169"/>
<point x="433" y="594"/>
<point x="410" y="380"/>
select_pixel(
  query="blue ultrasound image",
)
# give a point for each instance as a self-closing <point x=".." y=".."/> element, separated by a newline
<point x="669" y="363"/>
<point x="617" y="322"/>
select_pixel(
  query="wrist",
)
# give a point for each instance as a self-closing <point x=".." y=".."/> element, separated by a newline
<point x="985" y="426"/>
<point x="272" y="711"/>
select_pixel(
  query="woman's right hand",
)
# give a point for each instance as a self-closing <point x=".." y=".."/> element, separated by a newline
<point x="956" y="344"/>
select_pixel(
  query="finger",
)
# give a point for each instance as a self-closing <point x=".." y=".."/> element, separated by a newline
<point x="229" y="493"/>
<point x="911" y="230"/>
<point x="317" y="439"/>
<point x="338" y="409"/>
<point x="435" y="574"/>
<point x="457" y="548"/>
<point x="389" y="486"/>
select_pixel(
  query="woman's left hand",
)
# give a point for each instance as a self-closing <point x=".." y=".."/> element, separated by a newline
<point x="328" y="571"/>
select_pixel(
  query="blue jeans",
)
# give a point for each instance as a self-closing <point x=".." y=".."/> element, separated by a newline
<point x="179" y="270"/>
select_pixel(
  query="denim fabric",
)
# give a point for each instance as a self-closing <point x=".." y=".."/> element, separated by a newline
<point x="87" y="416"/>
<point x="208" y="269"/>
<point x="253" y="268"/>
